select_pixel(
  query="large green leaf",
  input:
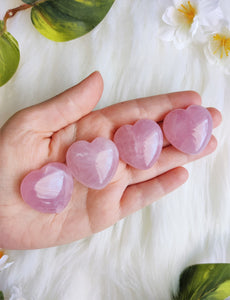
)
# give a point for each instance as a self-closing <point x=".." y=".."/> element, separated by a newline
<point x="205" y="282"/>
<point x="1" y="295"/>
<point x="9" y="55"/>
<point x="64" y="20"/>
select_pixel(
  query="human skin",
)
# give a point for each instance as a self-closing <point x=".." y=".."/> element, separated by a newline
<point x="42" y="133"/>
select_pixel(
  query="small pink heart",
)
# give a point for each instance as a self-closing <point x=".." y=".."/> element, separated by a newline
<point x="189" y="130"/>
<point x="139" y="145"/>
<point x="49" y="189"/>
<point x="93" y="164"/>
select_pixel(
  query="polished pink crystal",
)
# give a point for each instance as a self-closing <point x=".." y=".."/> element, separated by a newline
<point x="189" y="130"/>
<point x="140" y="144"/>
<point x="93" y="164"/>
<point x="48" y="189"/>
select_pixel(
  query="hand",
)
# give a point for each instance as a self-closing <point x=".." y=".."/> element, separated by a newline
<point x="42" y="133"/>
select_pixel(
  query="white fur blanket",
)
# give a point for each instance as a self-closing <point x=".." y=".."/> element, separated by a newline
<point x="142" y="256"/>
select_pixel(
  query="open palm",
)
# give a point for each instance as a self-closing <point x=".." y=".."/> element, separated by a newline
<point x="43" y="133"/>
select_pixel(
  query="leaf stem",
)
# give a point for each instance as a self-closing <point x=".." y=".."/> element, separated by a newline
<point x="11" y="12"/>
<point x="1" y="295"/>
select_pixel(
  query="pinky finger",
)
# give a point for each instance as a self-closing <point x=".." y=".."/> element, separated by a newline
<point x="142" y="194"/>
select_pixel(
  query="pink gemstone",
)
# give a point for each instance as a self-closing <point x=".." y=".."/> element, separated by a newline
<point x="93" y="164"/>
<point x="139" y="145"/>
<point x="188" y="130"/>
<point x="49" y="189"/>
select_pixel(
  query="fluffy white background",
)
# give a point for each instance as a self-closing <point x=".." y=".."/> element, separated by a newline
<point x="142" y="256"/>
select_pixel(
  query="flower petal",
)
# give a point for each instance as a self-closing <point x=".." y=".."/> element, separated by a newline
<point x="169" y="16"/>
<point x="167" y="33"/>
<point x="195" y="25"/>
<point x="182" y="37"/>
<point x="3" y="264"/>
<point x="177" y="2"/>
<point x="223" y="63"/>
<point x="3" y="259"/>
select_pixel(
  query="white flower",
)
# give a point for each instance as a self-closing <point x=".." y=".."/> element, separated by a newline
<point x="184" y="19"/>
<point x="217" y="48"/>
<point x="3" y="261"/>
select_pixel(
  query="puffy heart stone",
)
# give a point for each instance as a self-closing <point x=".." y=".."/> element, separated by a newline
<point x="49" y="189"/>
<point x="93" y="164"/>
<point x="189" y="130"/>
<point x="140" y="144"/>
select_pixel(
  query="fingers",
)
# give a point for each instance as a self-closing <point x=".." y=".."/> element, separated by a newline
<point x="216" y="116"/>
<point x="140" y="195"/>
<point x="170" y="158"/>
<point x="68" y="107"/>
<point x="154" y="108"/>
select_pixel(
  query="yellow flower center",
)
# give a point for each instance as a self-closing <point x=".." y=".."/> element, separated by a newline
<point x="222" y="45"/>
<point x="188" y="11"/>
<point x="1" y="253"/>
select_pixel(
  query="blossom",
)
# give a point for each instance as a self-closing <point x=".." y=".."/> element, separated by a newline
<point x="3" y="260"/>
<point x="217" y="48"/>
<point x="184" y="20"/>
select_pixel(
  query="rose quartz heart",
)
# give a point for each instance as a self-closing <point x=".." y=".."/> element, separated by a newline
<point x="139" y="145"/>
<point x="93" y="164"/>
<point x="49" y="189"/>
<point x="189" y="130"/>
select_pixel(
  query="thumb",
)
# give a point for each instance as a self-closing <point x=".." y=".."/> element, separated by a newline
<point x="69" y="106"/>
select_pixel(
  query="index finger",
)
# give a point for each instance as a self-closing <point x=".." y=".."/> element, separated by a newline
<point x="154" y="108"/>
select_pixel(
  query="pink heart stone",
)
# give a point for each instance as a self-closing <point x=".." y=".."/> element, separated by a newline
<point x="189" y="130"/>
<point x="140" y="144"/>
<point x="93" y="164"/>
<point x="49" y="189"/>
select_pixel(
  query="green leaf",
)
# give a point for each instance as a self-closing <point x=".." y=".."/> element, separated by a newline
<point x="1" y="295"/>
<point x="29" y="1"/>
<point x="9" y="55"/>
<point x="64" y="20"/>
<point x="222" y="292"/>
<point x="205" y="282"/>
